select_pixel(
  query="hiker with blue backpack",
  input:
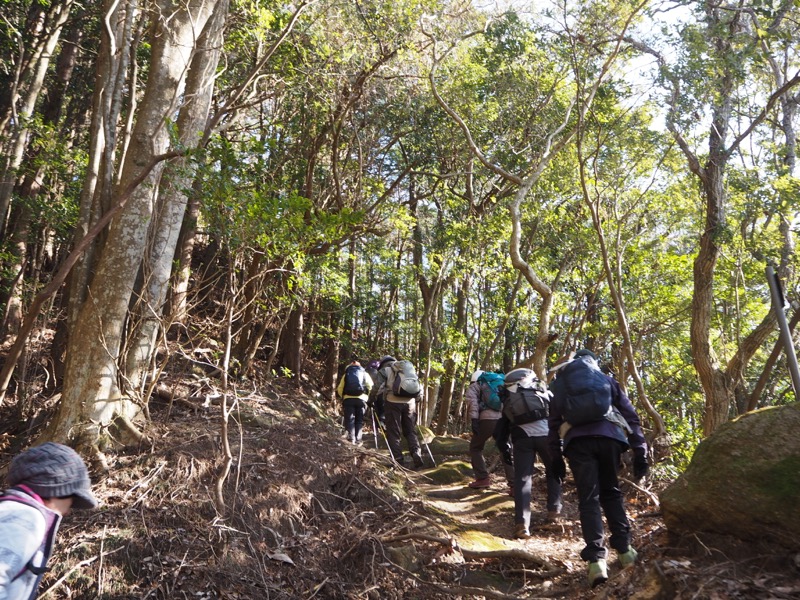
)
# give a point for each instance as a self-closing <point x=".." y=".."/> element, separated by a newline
<point x="354" y="388"/>
<point x="44" y="483"/>
<point x="592" y="422"/>
<point x="399" y="388"/>
<point x="483" y="401"/>
<point x="526" y="402"/>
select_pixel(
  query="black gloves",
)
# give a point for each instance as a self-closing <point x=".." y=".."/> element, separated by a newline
<point x="508" y="458"/>
<point x="640" y="467"/>
<point x="559" y="468"/>
<point x="475" y="423"/>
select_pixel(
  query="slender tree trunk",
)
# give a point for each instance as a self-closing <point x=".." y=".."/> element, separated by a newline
<point x="112" y="62"/>
<point x="31" y="183"/>
<point x="91" y="401"/>
<point x="166" y="225"/>
<point x="41" y="35"/>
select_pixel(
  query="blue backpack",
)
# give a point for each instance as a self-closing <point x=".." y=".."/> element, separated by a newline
<point x="582" y="392"/>
<point x="490" y="384"/>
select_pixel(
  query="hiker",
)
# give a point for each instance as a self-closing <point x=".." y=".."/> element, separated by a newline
<point x="483" y="420"/>
<point x="44" y="483"/>
<point x="400" y="407"/>
<point x="593" y="445"/>
<point x="375" y="401"/>
<point x="524" y="419"/>
<point x="354" y="388"/>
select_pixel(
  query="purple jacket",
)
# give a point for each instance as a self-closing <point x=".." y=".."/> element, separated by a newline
<point x="604" y="428"/>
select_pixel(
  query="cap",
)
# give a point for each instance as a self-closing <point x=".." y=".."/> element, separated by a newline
<point x="475" y="376"/>
<point x="386" y="359"/>
<point x="584" y="352"/>
<point x="53" y="471"/>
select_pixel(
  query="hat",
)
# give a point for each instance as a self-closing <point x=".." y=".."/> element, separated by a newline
<point x="475" y="376"/>
<point x="374" y="364"/>
<point x="584" y="352"/>
<point x="386" y="359"/>
<point x="53" y="471"/>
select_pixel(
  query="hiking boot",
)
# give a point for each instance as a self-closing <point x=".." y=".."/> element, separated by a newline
<point x="627" y="559"/>
<point x="553" y="516"/>
<point x="417" y="461"/>
<point x="598" y="572"/>
<point x="521" y="532"/>
<point x="480" y="483"/>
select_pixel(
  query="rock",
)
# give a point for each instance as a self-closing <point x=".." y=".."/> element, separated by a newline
<point x="743" y="481"/>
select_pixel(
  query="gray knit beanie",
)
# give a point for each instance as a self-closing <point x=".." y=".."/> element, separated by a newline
<point x="53" y="471"/>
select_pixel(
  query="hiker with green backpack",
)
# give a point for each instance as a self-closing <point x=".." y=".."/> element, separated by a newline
<point x="483" y="401"/>
<point x="399" y="388"/>
<point x="592" y="422"/>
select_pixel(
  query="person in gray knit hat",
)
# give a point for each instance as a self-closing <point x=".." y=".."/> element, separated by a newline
<point x="44" y="483"/>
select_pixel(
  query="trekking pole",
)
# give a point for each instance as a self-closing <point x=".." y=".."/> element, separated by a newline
<point x="780" y="305"/>
<point x="386" y="439"/>
<point x="424" y="443"/>
<point x="374" y="427"/>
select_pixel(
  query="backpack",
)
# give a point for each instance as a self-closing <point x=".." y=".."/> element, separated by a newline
<point x="525" y="397"/>
<point x="47" y="542"/>
<point x="354" y="381"/>
<point x="490" y="384"/>
<point x="404" y="381"/>
<point x="582" y="391"/>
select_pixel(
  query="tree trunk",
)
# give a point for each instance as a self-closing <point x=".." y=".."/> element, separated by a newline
<point x="172" y="201"/>
<point x="292" y="343"/>
<point x="41" y="35"/>
<point x="112" y="62"/>
<point x="91" y="400"/>
<point x="31" y="183"/>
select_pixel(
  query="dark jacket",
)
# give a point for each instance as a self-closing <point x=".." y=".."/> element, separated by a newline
<point x="635" y="440"/>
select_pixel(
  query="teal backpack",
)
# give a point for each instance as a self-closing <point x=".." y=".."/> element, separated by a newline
<point x="490" y="384"/>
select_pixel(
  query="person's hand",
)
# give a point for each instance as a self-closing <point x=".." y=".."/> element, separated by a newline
<point x="559" y="468"/>
<point x="640" y="467"/>
<point x="508" y="457"/>
<point x="475" y="424"/>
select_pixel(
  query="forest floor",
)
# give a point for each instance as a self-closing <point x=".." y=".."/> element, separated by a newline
<point x="307" y="515"/>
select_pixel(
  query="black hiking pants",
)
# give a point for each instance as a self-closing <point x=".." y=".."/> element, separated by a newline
<point x="353" y="418"/>
<point x="594" y="461"/>
<point x="402" y="418"/>
<point x="525" y="451"/>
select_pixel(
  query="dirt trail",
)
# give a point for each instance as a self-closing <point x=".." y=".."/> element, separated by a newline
<point x="481" y="522"/>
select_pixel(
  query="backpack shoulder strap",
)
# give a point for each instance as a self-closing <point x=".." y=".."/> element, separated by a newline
<point x="51" y="521"/>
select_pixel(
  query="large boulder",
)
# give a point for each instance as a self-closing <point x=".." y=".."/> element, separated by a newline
<point x="743" y="481"/>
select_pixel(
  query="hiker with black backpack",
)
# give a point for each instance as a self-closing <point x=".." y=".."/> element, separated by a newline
<point x="45" y="483"/>
<point x="592" y="422"/>
<point x="354" y="388"/>
<point x="399" y="388"/>
<point x="483" y="402"/>
<point x="526" y="402"/>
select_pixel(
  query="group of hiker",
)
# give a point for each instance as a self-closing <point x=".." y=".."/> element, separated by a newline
<point x="583" y="416"/>
<point x="392" y="396"/>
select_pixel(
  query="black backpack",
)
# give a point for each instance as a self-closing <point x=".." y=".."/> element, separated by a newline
<point x="525" y="397"/>
<point x="354" y="381"/>
<point x="583" y="392"/>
